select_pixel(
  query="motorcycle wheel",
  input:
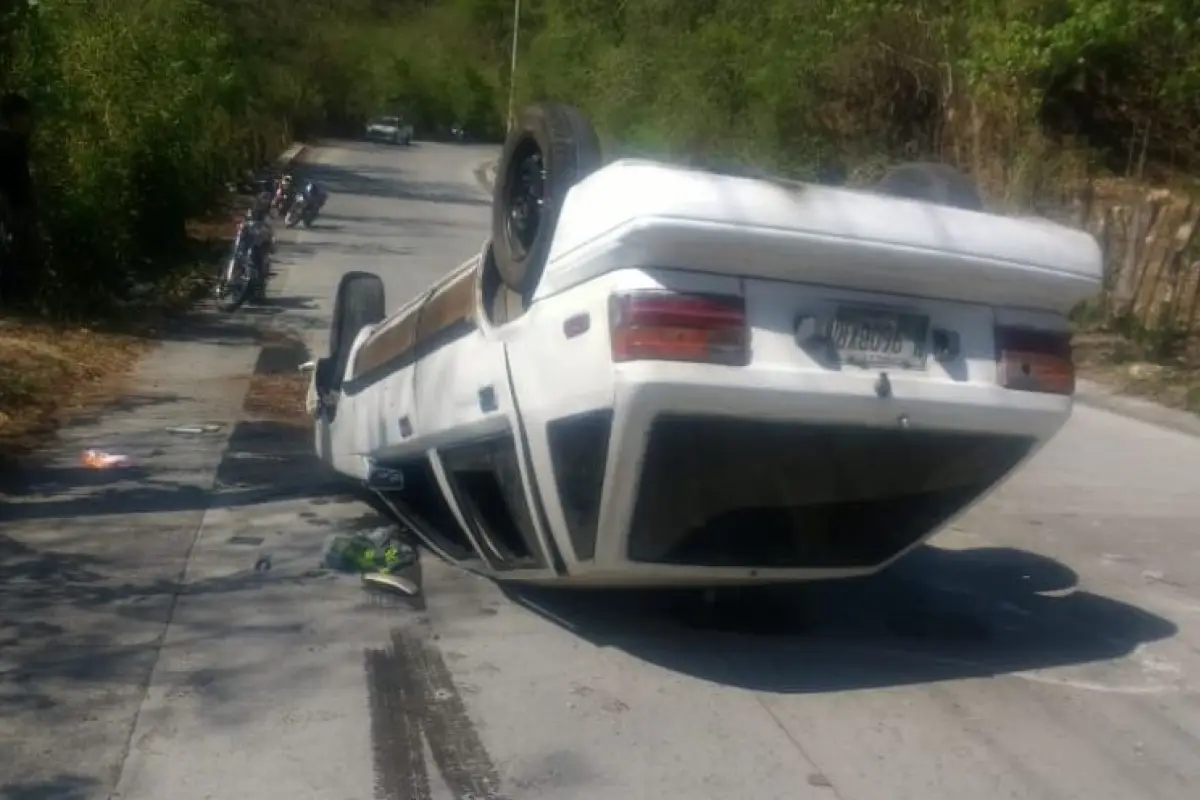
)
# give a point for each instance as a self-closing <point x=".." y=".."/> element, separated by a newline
<point x="233" y="287"/>
<point x="292" y="218"/>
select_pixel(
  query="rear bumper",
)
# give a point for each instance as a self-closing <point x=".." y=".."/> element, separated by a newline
<point x="693" y="479"/>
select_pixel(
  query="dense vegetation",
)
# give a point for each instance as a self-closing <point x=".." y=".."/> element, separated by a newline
<point x="148" y="106"/>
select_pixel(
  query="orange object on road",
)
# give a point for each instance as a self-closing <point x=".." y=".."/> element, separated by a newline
<point x="97" y="459"/>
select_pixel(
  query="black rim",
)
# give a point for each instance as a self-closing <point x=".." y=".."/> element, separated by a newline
<point x="235" y="277"/>
<point x="234" y="284"/>
<point x="524" y="196"/>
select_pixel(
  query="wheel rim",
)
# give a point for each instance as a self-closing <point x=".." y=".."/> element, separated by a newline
<point x="235" y="280"/>
<point x="524" y="196"/>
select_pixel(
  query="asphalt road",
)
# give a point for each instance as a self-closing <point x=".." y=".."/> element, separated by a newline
<point x="1044" y="648"/>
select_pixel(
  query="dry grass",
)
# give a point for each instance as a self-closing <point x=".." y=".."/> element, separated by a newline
<point x="51" y="373"/>
<point x="278" y="394"/>
<point x="1114" y="362"/>
<point x="279" y="398"/>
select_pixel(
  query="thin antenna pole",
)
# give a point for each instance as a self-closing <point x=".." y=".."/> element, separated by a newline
<point x="512" y="70"/>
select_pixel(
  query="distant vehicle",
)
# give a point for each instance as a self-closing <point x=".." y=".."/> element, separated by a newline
<point x="655" y="375"/>
<point x="389" y="129"/>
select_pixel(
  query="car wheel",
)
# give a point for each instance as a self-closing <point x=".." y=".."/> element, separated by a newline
<point x="933" y="183"/>
<point x="550" y="149"/>
<point x="359" y="303"/>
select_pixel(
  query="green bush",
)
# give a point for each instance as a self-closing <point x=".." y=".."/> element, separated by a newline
<point x="148" y="106"/>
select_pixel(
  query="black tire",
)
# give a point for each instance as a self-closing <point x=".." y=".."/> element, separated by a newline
<point x="359" y="302"/>
<point x="933" y="183"/>
<point x="569" y="151"/>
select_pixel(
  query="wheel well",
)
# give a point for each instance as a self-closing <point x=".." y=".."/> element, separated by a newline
<point x="500" y="305"/>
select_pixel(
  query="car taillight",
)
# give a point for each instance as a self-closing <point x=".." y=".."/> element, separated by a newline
<point x="658" y="325"/>
<point x="1035" y="360"/>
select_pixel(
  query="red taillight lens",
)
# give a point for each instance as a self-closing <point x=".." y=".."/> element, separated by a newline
<point x="1034" y="360"/>
<point x="664" y="326"/>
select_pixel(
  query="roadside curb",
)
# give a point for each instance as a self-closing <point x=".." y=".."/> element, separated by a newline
<point x="1092" y="394"/>
<point x="291" y="156"/>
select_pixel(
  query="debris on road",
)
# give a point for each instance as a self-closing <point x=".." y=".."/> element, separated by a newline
<point x="380" y="551"/>
<point x="397" y="583"/>
<point x="98" y="459"/>
<point x="194" y="430"/>
<point x="263" y="564"/>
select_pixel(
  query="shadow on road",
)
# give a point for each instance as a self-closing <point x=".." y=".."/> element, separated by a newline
<point x="92" y="562"/>
<point x="62" y="787"/>
<point x="938" y="615"/>
<point x="356" y="248"/>
<point x="245" y="478"/>
<point x="394" y="184"/>
<point x="392" y="223"/>
<point x="16" y="476"/>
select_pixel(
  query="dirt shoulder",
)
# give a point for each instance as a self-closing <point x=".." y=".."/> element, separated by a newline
<point x="52" y="373"/>
<point x="1117" y="365"/>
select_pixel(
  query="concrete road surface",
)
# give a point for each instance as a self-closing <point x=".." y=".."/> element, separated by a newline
<point x="1044" y="648"/>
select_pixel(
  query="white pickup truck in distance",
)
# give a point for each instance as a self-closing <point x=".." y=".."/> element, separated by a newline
<point x="659" y="376"/>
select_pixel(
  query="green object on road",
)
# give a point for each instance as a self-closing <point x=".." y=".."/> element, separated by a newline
<point x="380" y="551"/>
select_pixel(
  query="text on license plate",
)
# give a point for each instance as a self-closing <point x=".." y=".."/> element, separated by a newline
<point x="870" y="337"/>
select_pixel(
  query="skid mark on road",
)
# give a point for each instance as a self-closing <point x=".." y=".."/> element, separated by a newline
<point x="414" y="700"/>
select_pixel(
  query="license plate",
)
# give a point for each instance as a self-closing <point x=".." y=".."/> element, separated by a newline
<point x="870" y="337"/>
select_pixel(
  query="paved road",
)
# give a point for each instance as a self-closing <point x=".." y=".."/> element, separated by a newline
<point x="1045" y="648"/>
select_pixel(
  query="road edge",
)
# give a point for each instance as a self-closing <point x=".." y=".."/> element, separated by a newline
<point x="291" y="156"/>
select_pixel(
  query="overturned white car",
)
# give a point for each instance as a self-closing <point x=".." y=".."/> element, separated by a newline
<point x="654" y="375"/>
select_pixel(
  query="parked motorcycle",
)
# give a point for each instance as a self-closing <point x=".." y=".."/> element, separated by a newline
<point x="285" y="195"/>
<point x="307" y="205"/>
<point x="244" y="276"/>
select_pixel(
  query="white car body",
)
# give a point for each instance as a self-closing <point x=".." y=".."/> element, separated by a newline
<point x="389" y="129"/>
<point x="658" y="472"/>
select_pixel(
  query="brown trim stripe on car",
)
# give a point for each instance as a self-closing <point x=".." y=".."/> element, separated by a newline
<point x="423" y="329"/>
